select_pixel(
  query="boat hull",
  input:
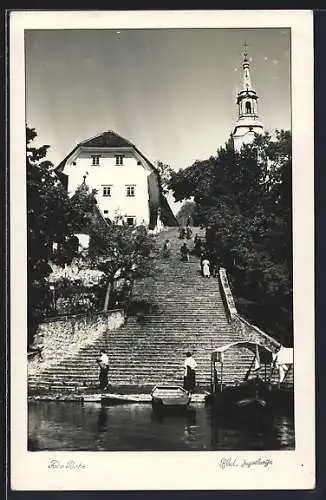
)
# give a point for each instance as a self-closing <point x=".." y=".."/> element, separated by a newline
<point x="171" y="398"/>
<point x="250" y="398"/>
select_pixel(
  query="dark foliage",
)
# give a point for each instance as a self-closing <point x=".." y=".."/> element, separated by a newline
<point x="244" y="199"/>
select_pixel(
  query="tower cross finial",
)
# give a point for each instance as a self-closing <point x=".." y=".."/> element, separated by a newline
<point x="245" y="51"/>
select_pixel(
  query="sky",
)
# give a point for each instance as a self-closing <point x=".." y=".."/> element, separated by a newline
<point x="171" y="92"/>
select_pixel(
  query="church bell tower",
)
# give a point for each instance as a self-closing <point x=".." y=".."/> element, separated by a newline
<point x="248" y="123"/>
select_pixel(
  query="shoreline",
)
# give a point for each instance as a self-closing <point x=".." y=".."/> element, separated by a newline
<point x="135" y="398"/>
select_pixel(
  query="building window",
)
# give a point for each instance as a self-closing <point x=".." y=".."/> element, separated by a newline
<point x="95" y="159"/>
<point x="106" y="191"/>
<point x="248" y="107"/>
<point x="131" y="221"/>
<point x="130" y="191"/>
<point x="119" y="159"/>
<point x="105" y="211"/>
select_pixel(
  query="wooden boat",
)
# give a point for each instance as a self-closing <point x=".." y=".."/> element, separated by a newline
<point x="169" y="397"/>
<point x="111" y="399"/>
<point x="253" y="393"/>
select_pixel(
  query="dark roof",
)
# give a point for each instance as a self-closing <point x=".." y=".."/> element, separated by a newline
<point x="107" y="140"/>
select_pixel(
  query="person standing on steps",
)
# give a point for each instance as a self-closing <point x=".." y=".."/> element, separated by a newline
<point x="184" y="250"/>
<point x="182" y="233"/>
<point x="205" y="267"/>
<point x="202" y="257"/>
<point x="190" y="365"/>
<point x="103" y="362"/>
<point x="166" y="248"/>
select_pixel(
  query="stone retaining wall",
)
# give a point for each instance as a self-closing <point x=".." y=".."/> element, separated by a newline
<point x="227" y="294"/>
<point x="61" y="337"/>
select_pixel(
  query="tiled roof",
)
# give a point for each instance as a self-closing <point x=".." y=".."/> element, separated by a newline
<point x="107" y="140"/>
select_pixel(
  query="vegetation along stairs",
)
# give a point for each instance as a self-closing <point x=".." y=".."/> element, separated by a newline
<point x="184" y="311"/>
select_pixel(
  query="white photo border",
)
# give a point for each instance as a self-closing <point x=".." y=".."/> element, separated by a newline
<point x="182" y="470"/>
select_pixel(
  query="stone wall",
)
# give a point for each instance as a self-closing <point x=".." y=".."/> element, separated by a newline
<point x="62" y="337"/>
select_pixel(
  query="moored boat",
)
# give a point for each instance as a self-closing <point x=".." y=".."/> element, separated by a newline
<point x="122" y="399"/>
<point x="169" y="397"/>
<point x="253" y="393"/>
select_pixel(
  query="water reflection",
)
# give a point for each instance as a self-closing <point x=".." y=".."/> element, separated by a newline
<point x="69" y="426"/>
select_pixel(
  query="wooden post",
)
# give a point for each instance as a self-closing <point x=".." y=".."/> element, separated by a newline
<point x="221" y="384"/>
<point x="212" y="376"/>
<point x="287" y="371"/>
<point x="272" y="371"/>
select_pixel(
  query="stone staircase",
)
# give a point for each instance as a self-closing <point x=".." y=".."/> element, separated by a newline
<point x="185" y="312"/>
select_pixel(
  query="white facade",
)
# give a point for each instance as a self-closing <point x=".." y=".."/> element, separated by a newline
<point x="120" y="178"/>
<point x="246" y="131"/>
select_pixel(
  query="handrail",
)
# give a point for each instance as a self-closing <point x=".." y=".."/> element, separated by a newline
<point x="227" y="294"/>
<point x="232" y="310"/>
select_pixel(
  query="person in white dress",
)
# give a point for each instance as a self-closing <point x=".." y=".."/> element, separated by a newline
<point x="206" y="269"/>
<point x="103" y="362"/>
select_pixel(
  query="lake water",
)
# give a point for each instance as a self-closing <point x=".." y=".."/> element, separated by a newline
<point x="64" y="426"/>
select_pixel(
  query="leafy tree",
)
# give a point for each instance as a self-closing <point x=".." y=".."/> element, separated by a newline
<point x="188" y="209"/>
<point x="244" y="199"/>
<point x="165" y="172"/>
<point x="121" y="252"/>
<point x="50" y="218"/>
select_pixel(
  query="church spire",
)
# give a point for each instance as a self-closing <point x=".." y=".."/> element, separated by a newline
<point x="246" y="69"/>
<point x="248" y="123"/>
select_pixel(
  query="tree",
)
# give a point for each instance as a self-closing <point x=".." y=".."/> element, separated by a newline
<point x="121" y="252"/>
<point x="244" y="200"/>
<point x="188" y="209"/>
<point x="165" y="172"/>
<point x="50" y="219"/>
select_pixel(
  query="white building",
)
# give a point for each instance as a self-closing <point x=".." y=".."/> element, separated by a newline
<point x="248" y="123"/>
<point x="127" y="184"/>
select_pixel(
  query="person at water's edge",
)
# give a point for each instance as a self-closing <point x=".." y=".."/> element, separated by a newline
<point x="103" y="362"/>
<point x="190" y="365"/>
